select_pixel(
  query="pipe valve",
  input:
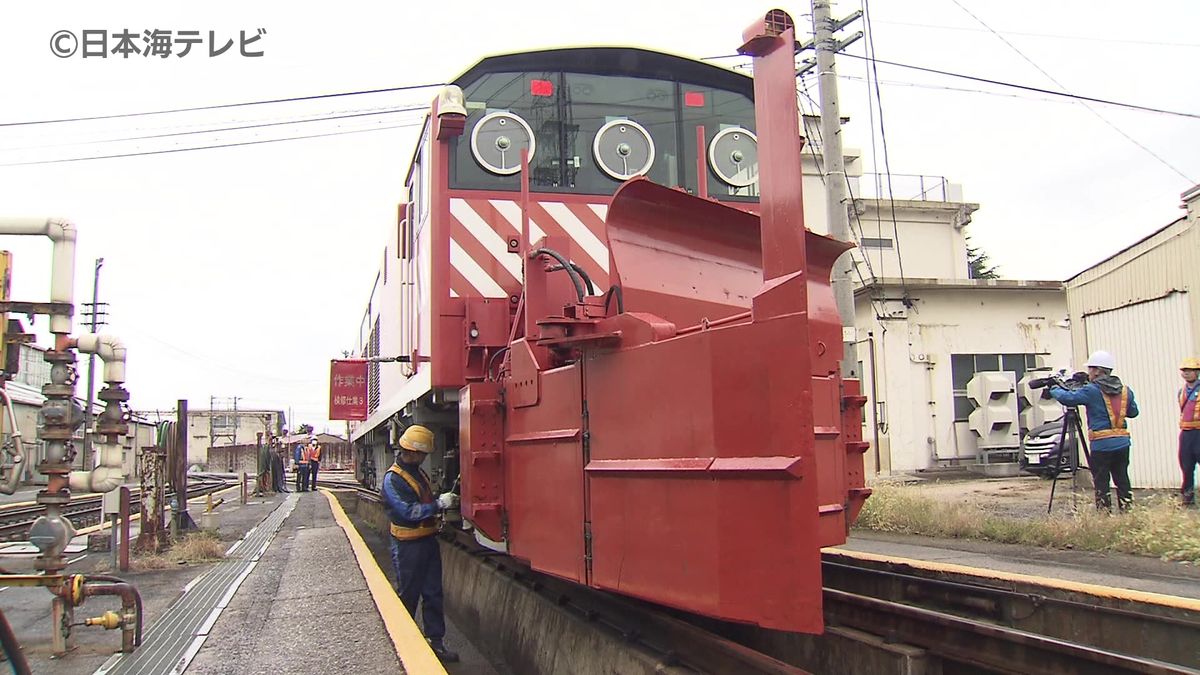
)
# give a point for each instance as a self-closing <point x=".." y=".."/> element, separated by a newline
<point x="110" y="620"/>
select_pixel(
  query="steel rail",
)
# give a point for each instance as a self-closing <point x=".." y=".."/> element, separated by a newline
<point x="1155" y="632"/>
<point x="15" y="521"/>
<point x="980" y="644"/>
<point x="877" y="608"/>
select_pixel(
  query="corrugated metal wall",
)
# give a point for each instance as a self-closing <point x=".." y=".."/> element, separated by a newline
<point x="1143" y="304"/>
<point x="1149" y="339"/>
<point x="1163" y="262"/>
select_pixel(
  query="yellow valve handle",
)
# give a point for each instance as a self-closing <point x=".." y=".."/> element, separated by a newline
<point x="109" y="620"/>
<point x="77" y="589"/>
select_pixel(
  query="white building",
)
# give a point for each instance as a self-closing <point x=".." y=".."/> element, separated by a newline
<point x="1143" y="305"/>
<point x="219" y="428"/>
<point x="925" y="327"/>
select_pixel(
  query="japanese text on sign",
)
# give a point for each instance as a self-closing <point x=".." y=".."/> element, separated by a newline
<point x="348" y="390"/>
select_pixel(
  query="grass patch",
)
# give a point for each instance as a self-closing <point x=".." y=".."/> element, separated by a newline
<point x="194" y="547"/>
<point x="1157" y="526"/>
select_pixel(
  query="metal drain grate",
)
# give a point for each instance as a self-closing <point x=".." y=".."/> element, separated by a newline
<point x="171" y="643"/>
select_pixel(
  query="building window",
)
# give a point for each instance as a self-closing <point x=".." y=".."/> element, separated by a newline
<point x="964" y="366"/>
<point x="875" y="242"/>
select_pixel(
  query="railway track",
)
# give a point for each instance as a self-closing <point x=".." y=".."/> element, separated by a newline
<point x="86" y="510"/>
<point x="962" y="625"/>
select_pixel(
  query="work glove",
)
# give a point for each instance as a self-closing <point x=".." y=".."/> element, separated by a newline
<point x="447" y="500"/>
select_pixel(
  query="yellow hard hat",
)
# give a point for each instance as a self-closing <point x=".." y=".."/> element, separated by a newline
<point x="1190" y="363"/>
<point x="417" y="439"/>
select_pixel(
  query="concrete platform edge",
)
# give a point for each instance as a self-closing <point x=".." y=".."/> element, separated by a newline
<point x="411" y="648"/>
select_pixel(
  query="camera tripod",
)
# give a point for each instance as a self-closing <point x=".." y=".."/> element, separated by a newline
<point x="1070" y="437"/>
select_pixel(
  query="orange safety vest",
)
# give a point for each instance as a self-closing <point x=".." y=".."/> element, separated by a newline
<point x="1116" y="417"/>
<point x="314" y="453"/>
<point x="1189" y="411"/>
<point x="304" y="455"/>
<point x="425" y="528"/>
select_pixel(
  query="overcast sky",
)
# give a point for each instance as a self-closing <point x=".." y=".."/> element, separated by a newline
<point x="241" y="271"/>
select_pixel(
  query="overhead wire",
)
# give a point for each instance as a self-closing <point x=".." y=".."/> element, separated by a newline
<point x="849" y="190"/>
<point x="1090" y="109"/>
<point x="221" y="106"/>
<point x="887" y="167"/>
<point x="1011" y="85"/>
<point x="212" y="147"/>
<point x="321" y="117"/>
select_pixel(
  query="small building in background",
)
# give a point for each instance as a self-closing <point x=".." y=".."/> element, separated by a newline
<point x="335" y="454"/>
<point x="925" y="327"/>
<point x="232" y="426"/>
<point x="1143" y="305"/>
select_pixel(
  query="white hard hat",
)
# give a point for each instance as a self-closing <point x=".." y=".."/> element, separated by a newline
<point x="1101" y="359"/>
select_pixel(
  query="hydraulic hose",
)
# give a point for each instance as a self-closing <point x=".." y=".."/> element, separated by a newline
<point x="566" y="264"/>
<point x="487" y="374"/>
<point x="582" y="273"/>
<point x="615" y="291"/>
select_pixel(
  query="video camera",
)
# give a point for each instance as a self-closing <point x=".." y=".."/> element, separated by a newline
<point x="1060" y="379"/>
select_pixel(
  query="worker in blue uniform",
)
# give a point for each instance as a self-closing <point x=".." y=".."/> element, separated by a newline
<point x="1109" y="403"/>
<point x="415" y="517"/>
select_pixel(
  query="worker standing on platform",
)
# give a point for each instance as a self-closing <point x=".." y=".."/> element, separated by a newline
<point x="408" y="498"/>
<point x="301" y="467"/>
<point x="1189" y="427"/>
<point x="1109" y="404"/>
<point x="314" y="462"/>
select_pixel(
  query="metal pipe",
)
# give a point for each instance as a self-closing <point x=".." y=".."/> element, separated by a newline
<point x="123" y="509"/>
<point x="62" y="271"/>
<point x="109" y="348"/>
<point x="12" y="648"/>
<point x="874" y="401"/>
<point x="713" y="324"/>
<point x="107" y="476"/>
<point x="130" y="600"/>
<point x="9" y="484"/>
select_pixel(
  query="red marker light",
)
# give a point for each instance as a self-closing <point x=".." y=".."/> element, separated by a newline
<point x="541" y="88"/>
<point x="693" y="99"/>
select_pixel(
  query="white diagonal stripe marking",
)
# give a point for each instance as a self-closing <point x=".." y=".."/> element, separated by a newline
<point x="600" y="210"/>
<point x="579" y="232"/>
<point x="473" y="273"/>
<point x="481" y="230"/>
<point x="512" y="213"/>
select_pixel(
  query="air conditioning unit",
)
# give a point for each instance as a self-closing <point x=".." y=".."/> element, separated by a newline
<point x="994" y="419"/>
<point x="1037" y="410"/>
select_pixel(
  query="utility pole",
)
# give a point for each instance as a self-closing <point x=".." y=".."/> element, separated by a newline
<point x="826" y="44"/>
<point x="91" y="375"/>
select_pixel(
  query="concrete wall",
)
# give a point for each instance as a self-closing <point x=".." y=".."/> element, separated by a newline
<point x="913" y="419"/>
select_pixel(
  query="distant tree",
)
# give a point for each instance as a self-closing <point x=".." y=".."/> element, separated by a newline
<point x="978" y="263"/>
<point x="305" y="429"/>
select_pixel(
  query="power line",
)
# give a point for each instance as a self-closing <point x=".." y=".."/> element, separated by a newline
<point x="211" y="147"/>
<point x="1024" y="87"/>
<point x="220" y="106"/>
<point x="1095" y="112"/>
<point x="1011" y="85"/>
<point x="850" y="191"/>
<point x="887" y="167"/>
<point x="1153" y="43"/>
<point x="318" y="118"/>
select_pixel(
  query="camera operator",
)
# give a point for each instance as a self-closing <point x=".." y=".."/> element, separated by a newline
<point x="1109" y="403"/>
